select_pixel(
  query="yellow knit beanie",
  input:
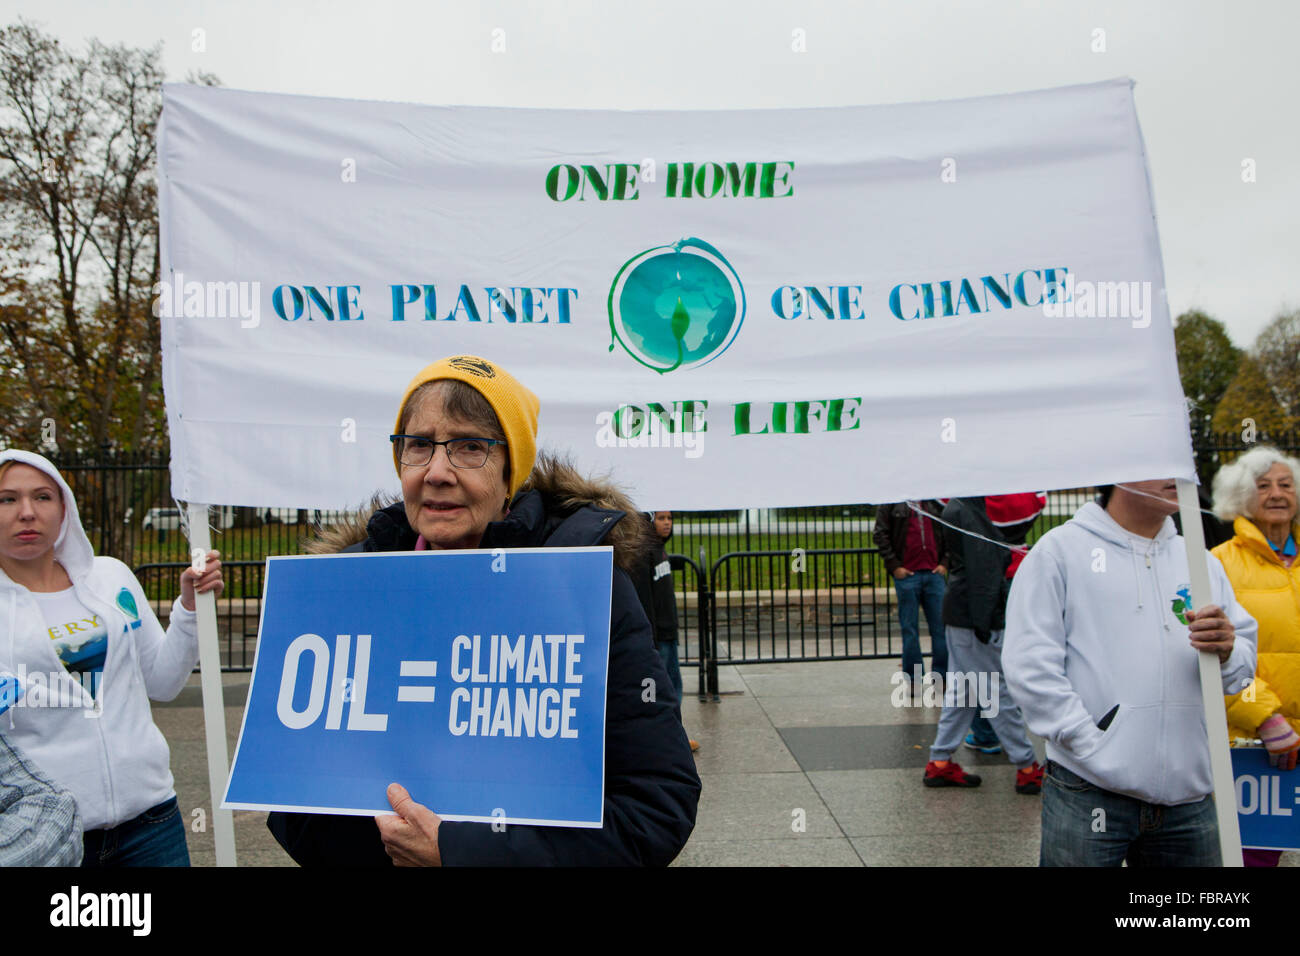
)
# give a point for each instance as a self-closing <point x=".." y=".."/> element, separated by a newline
<point x="515" y="406"/>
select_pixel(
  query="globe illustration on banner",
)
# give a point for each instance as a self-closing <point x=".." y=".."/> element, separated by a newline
<point x="676" y="306"/>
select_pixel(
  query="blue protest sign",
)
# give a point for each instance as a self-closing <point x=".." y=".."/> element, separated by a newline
<point x="1267" y="799"/>
<point x="476" y="679"/>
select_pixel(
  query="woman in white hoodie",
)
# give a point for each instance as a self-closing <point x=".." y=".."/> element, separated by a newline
<point x="83" y="640"/>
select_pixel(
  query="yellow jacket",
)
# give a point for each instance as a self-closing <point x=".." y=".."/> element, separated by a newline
<point x="1271" y="593"/>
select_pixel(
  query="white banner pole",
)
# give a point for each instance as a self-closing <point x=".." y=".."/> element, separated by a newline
<point x="1216" y="715"/>
<point x="214" y="711"/>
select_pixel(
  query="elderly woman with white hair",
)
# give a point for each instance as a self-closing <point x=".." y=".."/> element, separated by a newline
<point x="1257" y="493"/>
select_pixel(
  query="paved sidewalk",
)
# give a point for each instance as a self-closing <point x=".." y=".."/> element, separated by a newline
<point x="809" y="765"/>
<point x="823" y="744"/>
<point x="812" y="744"/>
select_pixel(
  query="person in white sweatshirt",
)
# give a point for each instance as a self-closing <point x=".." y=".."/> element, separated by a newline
<point x="1101" y="654"/>
<point x="83" y="640"/>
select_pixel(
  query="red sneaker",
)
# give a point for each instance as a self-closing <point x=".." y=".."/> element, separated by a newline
<point x="949" y="775"/>
<point x="1030" y="781"/>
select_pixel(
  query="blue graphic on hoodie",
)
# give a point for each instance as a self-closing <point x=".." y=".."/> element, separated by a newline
<point x="126" y="601"/>
<point x="1183" y="603"/>
<point x="82" y="646"/>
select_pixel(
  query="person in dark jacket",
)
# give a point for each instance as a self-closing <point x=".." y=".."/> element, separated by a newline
<point x="915" y="556"/>
<point x="654" y="586"/>
<point x="974" y="616"/>
<point x="487" y="488"/>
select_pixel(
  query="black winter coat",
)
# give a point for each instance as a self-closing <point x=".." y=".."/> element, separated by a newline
<point x="665" y="598"/>
<point x="651" y="787"/>
<point x="653" y="577"/>
<point x="976" y="596"/>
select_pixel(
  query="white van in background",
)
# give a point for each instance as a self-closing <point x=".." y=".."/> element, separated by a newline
<point x="169" y="519"/>
<point x="162" y="519"/>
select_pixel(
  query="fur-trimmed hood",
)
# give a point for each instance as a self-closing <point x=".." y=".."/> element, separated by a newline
<point x="555" y="506"/>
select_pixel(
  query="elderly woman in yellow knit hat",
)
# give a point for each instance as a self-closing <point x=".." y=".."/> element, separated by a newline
<point x="465" y="448"/>
<point x="1257" y="493"/>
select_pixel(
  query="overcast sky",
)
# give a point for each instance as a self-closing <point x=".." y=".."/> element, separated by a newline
<point x="1216" y="82"/>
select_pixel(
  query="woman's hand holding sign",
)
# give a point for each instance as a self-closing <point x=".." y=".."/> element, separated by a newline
<point x="411" y="837"/>
<point x="201" y="576"/>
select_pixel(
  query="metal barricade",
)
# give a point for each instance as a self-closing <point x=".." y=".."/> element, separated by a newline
<point x="239" y="609"/>
<point x="824" y="604"/>
<point x="701" y="629"/>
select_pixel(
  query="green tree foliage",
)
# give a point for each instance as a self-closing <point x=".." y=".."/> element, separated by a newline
<point x="1207" y="364"/>
<point x="1250" y="400"/>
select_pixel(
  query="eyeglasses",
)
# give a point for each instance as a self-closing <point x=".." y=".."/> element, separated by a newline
<point x="461" y="452"/>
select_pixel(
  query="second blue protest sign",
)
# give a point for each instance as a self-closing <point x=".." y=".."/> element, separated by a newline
<point x="476" y="679"/>
<point x="1268" y="801"/>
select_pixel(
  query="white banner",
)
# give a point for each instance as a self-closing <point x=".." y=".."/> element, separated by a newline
<point x="727" y="309"/>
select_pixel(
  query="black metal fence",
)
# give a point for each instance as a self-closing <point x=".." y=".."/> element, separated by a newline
<point x="239" y="609"/>
<point x="790" y="584"/>
<point x="808" y="584"/>
<point x="127" y="510"/>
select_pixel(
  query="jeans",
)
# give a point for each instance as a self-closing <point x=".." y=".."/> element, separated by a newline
<point x="1084" y="825"/>
<point x="985" y="736"/>
<point x="921" y="589"/>
<point x="154" y="838"/>
<point x="668" y="654"/>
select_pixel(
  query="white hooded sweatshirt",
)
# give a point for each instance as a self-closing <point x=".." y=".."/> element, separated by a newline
<point x="1092" y="622"/>
<point x="108" y="753"/>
